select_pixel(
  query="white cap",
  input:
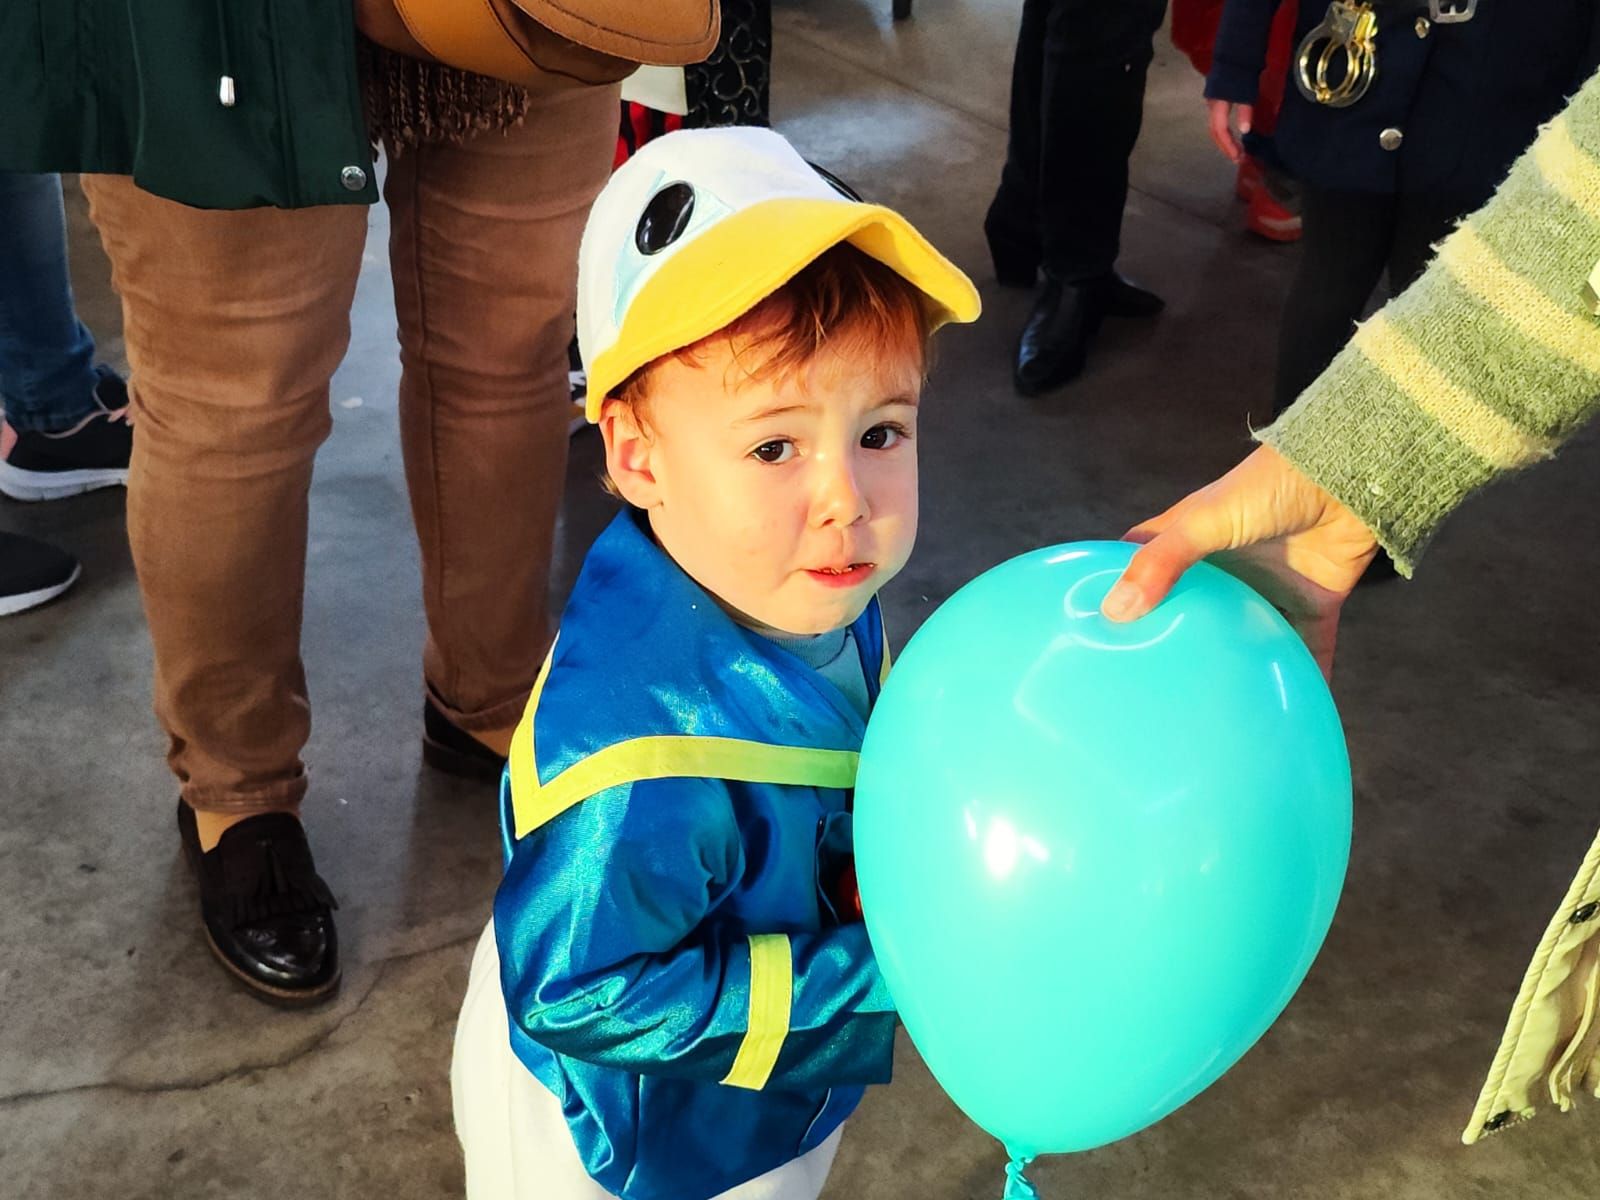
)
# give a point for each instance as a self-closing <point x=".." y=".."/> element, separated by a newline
<point x="701" y="225"/>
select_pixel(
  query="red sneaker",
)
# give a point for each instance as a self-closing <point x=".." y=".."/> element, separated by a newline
<point x="1272" y="217"/>
<point x="1248" y="182"/>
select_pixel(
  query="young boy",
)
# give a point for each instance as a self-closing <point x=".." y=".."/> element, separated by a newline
<point x="694" y="1008"/>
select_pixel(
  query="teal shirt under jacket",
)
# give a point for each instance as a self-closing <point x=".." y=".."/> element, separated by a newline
<point x="676" y="807"/>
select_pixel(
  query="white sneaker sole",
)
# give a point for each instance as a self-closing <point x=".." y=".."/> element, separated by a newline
<point x="23" y="601"/>
<point x="29" y="486"/>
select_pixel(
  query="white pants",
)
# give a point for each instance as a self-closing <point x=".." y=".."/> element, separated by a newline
<point x="513" y="1135"/>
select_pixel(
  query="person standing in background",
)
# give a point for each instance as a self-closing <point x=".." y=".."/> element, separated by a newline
<point x="63" y="419"/>
<point x="1458" y="93"/>
<point x="1077" y="101"/>
<point x="229" y="181"/>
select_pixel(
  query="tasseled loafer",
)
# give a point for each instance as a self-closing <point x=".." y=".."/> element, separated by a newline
<point x="268" y="915"/>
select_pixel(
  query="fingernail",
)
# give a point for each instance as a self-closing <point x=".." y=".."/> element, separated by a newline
<point x="1120" y="601"/>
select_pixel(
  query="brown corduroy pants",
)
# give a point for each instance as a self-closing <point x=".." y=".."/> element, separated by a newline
<point x="234" y="323"/>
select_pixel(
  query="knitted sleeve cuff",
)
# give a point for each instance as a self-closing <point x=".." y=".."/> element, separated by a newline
<point x="1363" y="441"/>
<point x="1485" y="365"/>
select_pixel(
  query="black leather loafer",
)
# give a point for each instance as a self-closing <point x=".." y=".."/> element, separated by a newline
<point x="449" y="748"/>
<point x="1055" y="341"/>
<point x="267" y="913"/>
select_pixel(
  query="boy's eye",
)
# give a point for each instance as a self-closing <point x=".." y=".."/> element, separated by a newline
<point x="774" y="452"/>
<point x="881" y="437"/>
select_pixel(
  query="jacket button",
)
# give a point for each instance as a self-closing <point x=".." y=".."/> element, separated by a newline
<point x="1585" y="913"/>
<point x="353" y="178"/>
<point x="1391" y="138"/>
<point x="1423" y="25"/>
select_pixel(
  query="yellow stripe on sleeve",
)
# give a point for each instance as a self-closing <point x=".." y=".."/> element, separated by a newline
<point x="1471" y="422"/>
<point x="1568" y="334"/>
<point x="1566" y="167"/>
<point x="524" y="767"/>
<point x="771" y="994"/>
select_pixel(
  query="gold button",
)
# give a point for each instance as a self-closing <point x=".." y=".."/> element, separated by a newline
<point x="1423" y="25"/>
<point x="1391" y="138"/>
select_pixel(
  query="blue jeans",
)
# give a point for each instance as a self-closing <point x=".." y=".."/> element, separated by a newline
<point x="47" y="375"/>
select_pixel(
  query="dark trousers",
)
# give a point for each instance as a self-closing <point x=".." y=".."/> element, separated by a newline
<point x="1350" y="240"/>
<point x="1077" y="100"/>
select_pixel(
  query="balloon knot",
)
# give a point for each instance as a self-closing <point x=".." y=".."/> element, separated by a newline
<point x="1017" y="1185"/>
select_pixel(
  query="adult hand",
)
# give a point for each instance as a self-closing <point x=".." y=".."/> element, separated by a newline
<point x="1223" y="115"/>
<point x="1269" y="525"/>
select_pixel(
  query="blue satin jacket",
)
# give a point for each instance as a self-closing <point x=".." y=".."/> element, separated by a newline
<point x="676" y="799"/>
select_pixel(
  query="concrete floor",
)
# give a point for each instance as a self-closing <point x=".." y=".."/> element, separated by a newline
<point x="130" y="1067"/>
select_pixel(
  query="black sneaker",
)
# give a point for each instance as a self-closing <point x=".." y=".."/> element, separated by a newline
<point x="92" y="454"/>
<point x="32" y="573"/>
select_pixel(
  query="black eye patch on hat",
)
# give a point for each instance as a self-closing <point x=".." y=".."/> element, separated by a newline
<point x="664" y="218"/>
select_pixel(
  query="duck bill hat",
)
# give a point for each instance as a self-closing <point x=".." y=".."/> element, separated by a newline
<point x="701" y="225"/>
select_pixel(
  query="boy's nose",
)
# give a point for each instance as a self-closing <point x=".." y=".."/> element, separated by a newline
<point x="839" y="499"/>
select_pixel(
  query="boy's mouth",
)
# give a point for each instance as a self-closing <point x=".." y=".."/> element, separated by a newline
<point x="849" y="576"/>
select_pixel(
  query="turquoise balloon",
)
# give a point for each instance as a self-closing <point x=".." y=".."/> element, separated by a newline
<point x="1096" y="860"/>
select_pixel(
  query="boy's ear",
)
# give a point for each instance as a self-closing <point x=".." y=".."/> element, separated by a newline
<point x="629" y="454"/>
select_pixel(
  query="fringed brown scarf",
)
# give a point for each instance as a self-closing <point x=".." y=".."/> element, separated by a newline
<point x="410" y="102"/>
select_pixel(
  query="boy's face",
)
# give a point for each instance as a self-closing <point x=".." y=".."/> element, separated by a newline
<point x="793" y="499"/>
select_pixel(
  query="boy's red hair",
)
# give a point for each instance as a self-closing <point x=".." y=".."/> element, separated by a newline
<point x="844" y="298"/>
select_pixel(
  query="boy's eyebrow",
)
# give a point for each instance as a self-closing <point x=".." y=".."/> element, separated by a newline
<point x="776" y="411"/>
<point x="781" y="410"/>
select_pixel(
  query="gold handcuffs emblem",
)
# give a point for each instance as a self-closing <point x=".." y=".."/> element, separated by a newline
<point x="1350" y="29"/>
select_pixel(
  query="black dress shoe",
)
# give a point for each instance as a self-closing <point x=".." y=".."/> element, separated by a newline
<point x="1055" y="341"/>
<point x="267" y="913"/>
<point x="1130" y="300"/>
<point x="449" y="748"/>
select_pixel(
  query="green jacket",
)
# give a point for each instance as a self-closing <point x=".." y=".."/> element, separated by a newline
<point x="128" y="88"/>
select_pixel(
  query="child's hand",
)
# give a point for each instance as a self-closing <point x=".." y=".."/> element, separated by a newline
<point x="1222" y="114"/>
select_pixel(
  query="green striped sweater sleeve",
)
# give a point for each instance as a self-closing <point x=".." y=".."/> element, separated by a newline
<point x="1486" y="364"/>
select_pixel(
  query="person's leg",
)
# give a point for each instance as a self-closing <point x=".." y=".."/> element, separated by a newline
<point x="1012" y="223"/>
<point x="1091" y="106"/>
<point x="47" y="375"/>
<point x="1422" y="221"/>
<point x="1342" y="256"/>
<point x="65" y="427"/>
<point x="1096" y="56"/>
<point x="515" y="1143"/>
<point x="234" y="323"/>
<point x="484" y="246"/>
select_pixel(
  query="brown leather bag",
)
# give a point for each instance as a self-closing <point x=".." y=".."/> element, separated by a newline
<point x="528" y="42"/>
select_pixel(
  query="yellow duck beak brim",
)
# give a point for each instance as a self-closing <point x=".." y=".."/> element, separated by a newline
<point x="719" y="276"/>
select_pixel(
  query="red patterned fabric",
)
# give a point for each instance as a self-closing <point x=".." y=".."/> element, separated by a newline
<point x="641" y="124"/>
